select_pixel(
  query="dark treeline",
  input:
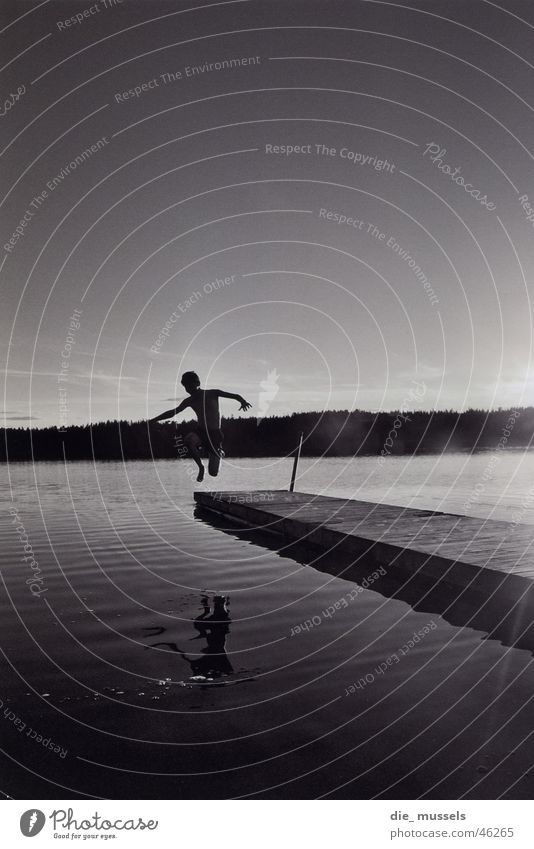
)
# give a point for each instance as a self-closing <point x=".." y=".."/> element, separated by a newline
<point x="334" y="434"/>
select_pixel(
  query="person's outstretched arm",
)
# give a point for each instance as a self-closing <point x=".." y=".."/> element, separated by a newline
<point x="244" y="405"/>
<point x="168" y="414"/>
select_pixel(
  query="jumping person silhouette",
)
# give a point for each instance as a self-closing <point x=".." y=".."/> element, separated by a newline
<point x="208" y="434"/>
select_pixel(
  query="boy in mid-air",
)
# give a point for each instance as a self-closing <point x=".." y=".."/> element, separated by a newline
<point x="208" y="434"/>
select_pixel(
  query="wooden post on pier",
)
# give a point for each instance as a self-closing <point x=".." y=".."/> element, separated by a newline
<point x="296" y="463"/>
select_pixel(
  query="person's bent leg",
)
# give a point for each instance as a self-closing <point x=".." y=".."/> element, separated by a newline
<point x="214" y="463"/>
<point x="193" y="443"/>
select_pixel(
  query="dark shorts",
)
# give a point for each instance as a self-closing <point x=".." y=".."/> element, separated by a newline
<point x="211" y="439"/>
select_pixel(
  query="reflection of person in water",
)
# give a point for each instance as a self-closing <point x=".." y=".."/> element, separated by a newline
<point x="212" y="627"/>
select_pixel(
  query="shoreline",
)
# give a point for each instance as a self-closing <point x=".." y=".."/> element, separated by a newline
<point x="513" y="449"/>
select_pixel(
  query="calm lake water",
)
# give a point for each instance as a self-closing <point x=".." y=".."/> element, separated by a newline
<point x="117" y="684"/>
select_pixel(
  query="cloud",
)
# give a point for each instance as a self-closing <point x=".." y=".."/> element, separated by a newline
<point x="16" y="414"/>
<point x="18" y="418"/>
<point x="26" y="373"/>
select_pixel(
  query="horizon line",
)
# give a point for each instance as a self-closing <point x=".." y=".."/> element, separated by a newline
<point x="446" y="410"/>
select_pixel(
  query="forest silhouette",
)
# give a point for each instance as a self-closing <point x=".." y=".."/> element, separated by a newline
<point x="331" y="434"/>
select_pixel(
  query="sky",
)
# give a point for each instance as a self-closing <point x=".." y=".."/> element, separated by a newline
<point x="330" y="202"/>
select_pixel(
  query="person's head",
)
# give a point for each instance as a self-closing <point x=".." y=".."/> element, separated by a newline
<point x="190" y="381"/>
